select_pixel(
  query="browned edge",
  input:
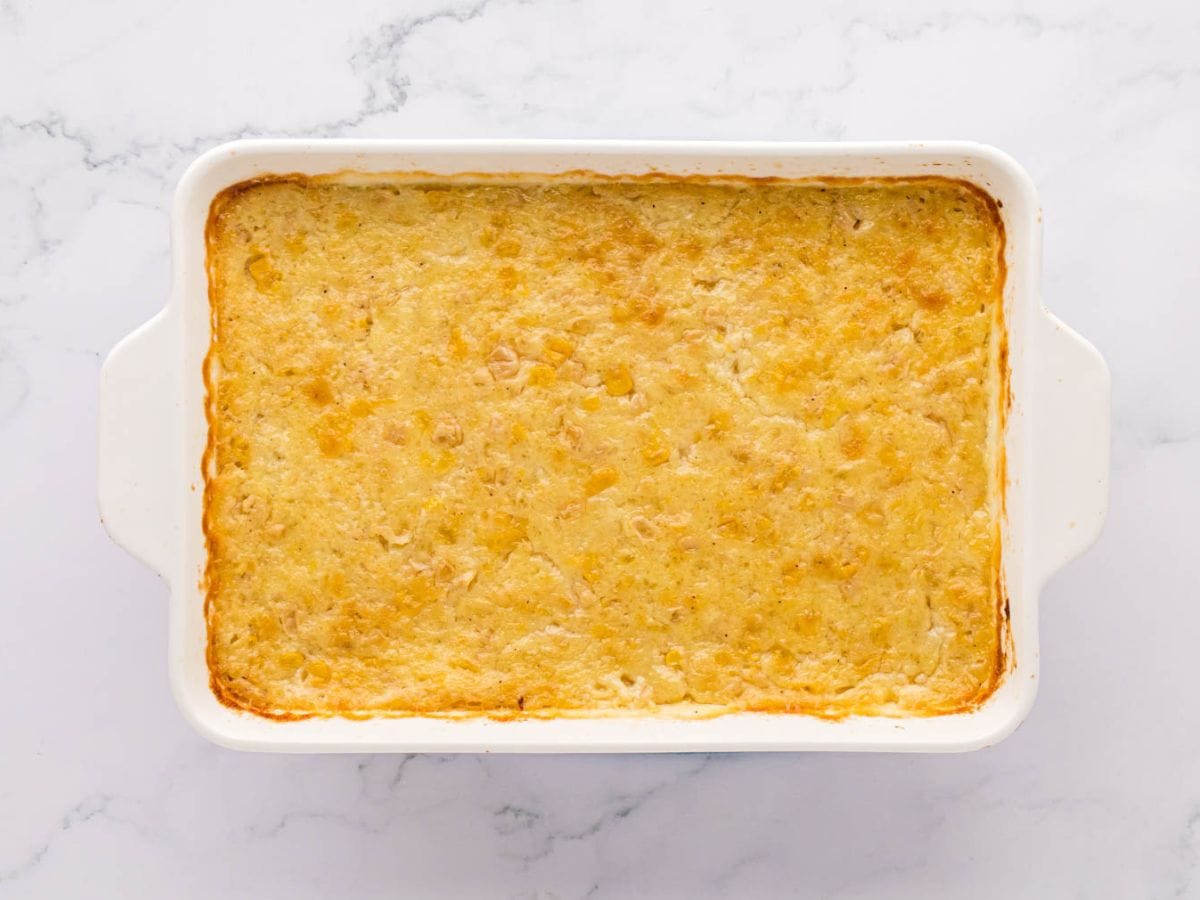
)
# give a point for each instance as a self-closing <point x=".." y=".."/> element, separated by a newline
<point x="208" y="460"/>
<point x="1005" y="659"/>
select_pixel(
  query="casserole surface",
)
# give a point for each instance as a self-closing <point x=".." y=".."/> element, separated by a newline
<point x="561" y="446"/>
<point x="156" y="443"/>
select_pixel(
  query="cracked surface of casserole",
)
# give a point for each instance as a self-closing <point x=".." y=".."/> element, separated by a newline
<point x="568" y="446"/>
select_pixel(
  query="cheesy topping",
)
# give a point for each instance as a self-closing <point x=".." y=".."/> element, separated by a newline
<point x="564" y="446"/>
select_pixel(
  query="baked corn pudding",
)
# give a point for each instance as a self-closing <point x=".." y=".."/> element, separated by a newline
<point x="577" y="445"/>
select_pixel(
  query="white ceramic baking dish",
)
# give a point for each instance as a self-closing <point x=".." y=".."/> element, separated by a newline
<point x="153" y="432"/>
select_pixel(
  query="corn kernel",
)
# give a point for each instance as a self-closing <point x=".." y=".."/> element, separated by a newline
<point x="503" y="363"/>
<point x="673" y="657"/>
<point x="542" y="375"/>
<point x="618" y="381"/>
<point x="264" y="275"/>
<point x="319" y="391"/>
<point x="623" y="311"/>
<point x="731" y="526"/>
<point x="591" y="402"/>
<point x="720" y="420"/>
<point x="508" y="277"/>
<point x="881" y="632"/>
<point x="573" y="435"/>
<point x="557" y="350"/>
<point x="333" y="437"/>
<point x="447" y="431"/>
<point x="656" y="451"/>
<point x="395" y="433"/>
<point x="505" y="533"/>
<point x="318" y="671"/>
<point x="589" y="567"/>
<point x="654" y="315"/>
<point x="459" y="348"/>
<point x="508" y="248"/>
<point x="440" y="463"/>
<point x="854" y="443"/>
<point x="295" y="243"/>
<point x="265" y="626"/>
<point x="600" y="480"/>
<point x="334" y="584"/>
<point x="784" y="476"/>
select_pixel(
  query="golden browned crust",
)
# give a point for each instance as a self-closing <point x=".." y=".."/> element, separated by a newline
<point x="586" y="445"/>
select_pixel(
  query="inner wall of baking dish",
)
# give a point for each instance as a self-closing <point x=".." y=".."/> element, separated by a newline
<point x="226" y="166"/>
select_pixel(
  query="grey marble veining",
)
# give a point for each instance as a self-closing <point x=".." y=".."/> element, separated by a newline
<point x="106" y="792"/>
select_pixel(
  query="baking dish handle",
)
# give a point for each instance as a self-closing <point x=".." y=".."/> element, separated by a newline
<point x="1071" y="429"/>
<point x="139" y="430"/>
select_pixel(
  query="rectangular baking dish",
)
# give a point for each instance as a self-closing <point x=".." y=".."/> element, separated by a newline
<point x="153" y="433"/>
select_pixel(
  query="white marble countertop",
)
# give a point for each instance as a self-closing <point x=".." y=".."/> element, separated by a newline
<point x="104" y="790"/>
